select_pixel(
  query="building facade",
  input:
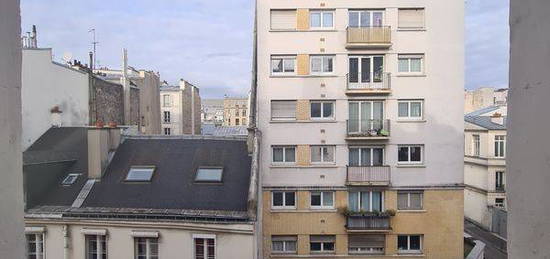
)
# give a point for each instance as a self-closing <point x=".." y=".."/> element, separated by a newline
<point x="212" y="111"/>
<point x="484" y="97"/>
<point x="180" y="109"/>
<point x="485" y="164"/>
<point x="235" y="111"/>
<point x="360" y="105"/>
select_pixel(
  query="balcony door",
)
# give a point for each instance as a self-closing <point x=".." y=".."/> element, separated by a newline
<point x="365" y="116"/>
<point x="366" y="156"/>
<point x="366" y="18"/>
<point x="364" y="70"/>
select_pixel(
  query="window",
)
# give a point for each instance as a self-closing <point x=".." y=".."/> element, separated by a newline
<point x="366" y="244"/>
<point x="237" y="111"/>
<point x="322" y="64"/>
<point x="167" y="131"/>
<point x="166" y="117"/>
<point x="366" y="117"/>
<point x="244" y="113"/>
<point x="209" y="175"/>
<point x="411" y="110"/>
<point x="366" y="71"/>
<point x="146" y="248"/>
<point x="283" y="65"/>
<point x="35" y="245"/>
<point x="476" y="145"/>
<point x="410" y="154"/>
<point x="411" y="18"/>
<point x="409" y="243"/>
<point x="283" y="110"/>
<point x="284" y="154"/>
<point x="499" y="181"/>
<point x="322" y="200"/>
<point x="366" y="201"/>
<point x="321" y="19"/>
<point x="499" y="202"/>
<point x="366" y="18"/>
<point x="367" y="156"/>
<point x="205" y="248"/>
<point x="283" y="244"/>
<point x="96" y="247"/>
<point x="140" y="174"/>
<point x="500" y="146"/>
<point x="411" y="64"/>
<point x="322" y="110"/>
<point x="283" y="19"/>
<point x="244" y="122"/>
<point x="70" y="179"/>
<point x="282" y="200"/>
<point x="166" y="102"/>
<point x="410" y="200"/>
<point x="237" y="122"/>
<point x="322" y="244"/>
<point x="322" y="154"/>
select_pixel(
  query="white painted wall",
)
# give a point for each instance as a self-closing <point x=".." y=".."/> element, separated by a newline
<point x="475" y="207"/>
<point x="11" y="186"/>
<point x="175" y="109"/>
<point x="46" y="85"/>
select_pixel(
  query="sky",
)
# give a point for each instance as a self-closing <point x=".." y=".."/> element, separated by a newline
<point x="209" y="43"/>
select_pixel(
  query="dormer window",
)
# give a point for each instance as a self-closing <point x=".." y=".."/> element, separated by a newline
<point x="70" y="179"/>
<point x="209" y="174"/>
<point x="140" y="174"/>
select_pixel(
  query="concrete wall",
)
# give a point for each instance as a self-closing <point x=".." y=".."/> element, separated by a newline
<point x="528" y="129"/>
<point x="12" y="242"/>
<point x="47" y="85"/>
<point x="150" y="117"/>
<point x="135" y="111"/>
<point x="175" y="109"/>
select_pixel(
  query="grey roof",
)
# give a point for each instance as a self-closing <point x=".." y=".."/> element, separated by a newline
<point x="485" y="122"/>
<point x="483" y="111"/>
<point x="169" y="88"/>
<point x="213" y="130"/>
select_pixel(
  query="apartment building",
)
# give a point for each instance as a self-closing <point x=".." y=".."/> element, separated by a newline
<point x="212" y="111"/>
<point x="485" y="167"/>
<point x="484" y="97"/>
<point x="360" y="105"/>
<point x="180" y="109"/>
<point x="235" y="111"/>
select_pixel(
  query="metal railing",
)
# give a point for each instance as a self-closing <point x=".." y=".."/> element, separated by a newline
<point x="376" y="81"/>
<point x="368" y="128"/>
<point x="371" y="175"/>
<point x="357" y="222"/>
<point x="369" y="35"/>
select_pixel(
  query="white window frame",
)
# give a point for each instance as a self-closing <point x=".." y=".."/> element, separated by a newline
<point x="371" y="17"/>
<point x="66" y="181"/>
<point x="500" y="140"/>
<point x="328" y="147"/>
<point x="323" y="59"/>
<point x="167" y="117"/>
<point x="166" y="100"/>
<point x="284" y="154"/>
<point x="500" y="205"/>
<point x="409" y="200"/>
<point x="322" y="14"/>
<point x="360" y="198"/>
<point x="409" y="250"/>
<point x="284" y="206"/>
<point x="323" y="250"/>
<point x="360" y="152"/>
<point x="285" y="244"/>
<point x="40" y="247"/>
<point x="500" y="177"/>
<point x="148" y="243"/>
<point x="100" y="247"/>
<point x="409" y="162"/>
<point x="284" y="59"/>
<point x="323" y="103"/>
<point x="410" y="57"/>
<point x="205" y="237"/>
<point x="321" y="193"/>
<point x="476" y="145"/>
<point x="409" y="110"/>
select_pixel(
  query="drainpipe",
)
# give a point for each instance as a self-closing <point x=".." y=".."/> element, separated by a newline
<point x="66" y="241"/>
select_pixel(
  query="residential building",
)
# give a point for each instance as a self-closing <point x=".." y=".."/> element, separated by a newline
<point x="212" y="111"/>
<point x="485" y="165"/>
<point x="91" y="195"/>
<point x="484" y="97"/>
<point x="12" y="243"/>
<point x="360" y="107"/>
<point x="527" y="157"/>
<point x="235" y="111"/>
<point x="180" y="109"/>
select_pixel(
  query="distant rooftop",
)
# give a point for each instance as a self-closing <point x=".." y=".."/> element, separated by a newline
<point x="478" y="119"/>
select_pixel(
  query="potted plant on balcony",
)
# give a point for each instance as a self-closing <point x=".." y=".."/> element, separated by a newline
<point x="362" y="213"/>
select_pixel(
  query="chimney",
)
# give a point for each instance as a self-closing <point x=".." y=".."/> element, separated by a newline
<point x="34" y="37"/>
<point x="497" y="118"/>
<point x="126" y="87"/>
<point x="102" y="143"/>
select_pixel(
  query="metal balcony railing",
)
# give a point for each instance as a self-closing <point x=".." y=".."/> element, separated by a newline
<point x="369" y="175"/>
<point x="375" y="81"/>
<point x="358" y="222"/>
<point x="373" y="128"/>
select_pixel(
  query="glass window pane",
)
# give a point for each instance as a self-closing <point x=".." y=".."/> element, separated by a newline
<point x="403" y="201"/>
<point x="328" y="20"/>
<point x="416" y="200"/>
<point x="328" y="154"/>
<point x="140" y="174"/>
<point x="315" y="19"/>
<point x="365" y="157"/>
<point x="327" y="64"/>
<point x="378" y="68"/>
<point x="353" y="19"/>
<point x="328" y="199"/>
<point x="403" y="65"/>
<point x="377" y="156"/>
<point x="416" y="65"/>
<point x="277" y="199"/>
<point x="316" y="64"/>
<point x="416" y="155"/>
<point x="278" y="155"/>
<point x="290" y="246"/>
<point x="403" y="109"/>
<point x="376" y="201"/>
<point x="377" y="19"/>
<point x="289" y="65"/>
<point x="315" y="199"/>
<point x="277" y="246"/>
<point x="365" y="19"/>
<point x="316" y="110"/>
<point x="365" y="201"/>
<point x="416" y="109"/>
<point x="353" y="156"/>
<point x="209" y="174"/>
<point x="415" y="242"/>
<point x="353" y="70"/>
<point x="402" y="243"/>
<point x="315" y="246"/>
<point x="353" y="201"/>
<point x="277" y="65"/>
<point x="289" y="155"/>
<point x="289" y="199"/>
<point x="403" y="155"/>
<point x="316" y="154"/>
<point x="327" y="110"/>
<point x="365" y="70"/>
<point x="328" y="246"/>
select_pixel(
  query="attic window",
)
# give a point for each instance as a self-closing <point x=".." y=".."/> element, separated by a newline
<point x="70" y="179"/>
<point x="140" y="174"/>
<point x="212" y="174"/>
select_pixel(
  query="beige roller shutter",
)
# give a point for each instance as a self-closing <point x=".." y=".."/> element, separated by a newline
<point x="283" y="110"/>
<point x="411" y="18"/>
<point x="283" y="19"/>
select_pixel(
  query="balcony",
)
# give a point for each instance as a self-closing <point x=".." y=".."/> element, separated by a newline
<point x="375" y="129"/>
<point x="369" y="37"/>
<point x="363" y="223"/>
<point x="368" y="175"/>
<point x="380" y="84"/>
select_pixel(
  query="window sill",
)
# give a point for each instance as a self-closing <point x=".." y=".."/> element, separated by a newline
<point x="411" y="121"/>
<point x="411" y="29"/>
<point x="273" y="210"/>
<point x="412" y="211"/>
<point x="287" y="209"/>
<point x="419" y="254"/>
<point x="411" y="75"/>
<point x="305" y="166"/>
<point x="411" y="166"/>
<point x="302" y="121"/>
<point x="329" y="210"/>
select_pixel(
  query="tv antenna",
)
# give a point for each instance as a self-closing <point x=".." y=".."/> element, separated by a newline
<point x="94" y="43"/>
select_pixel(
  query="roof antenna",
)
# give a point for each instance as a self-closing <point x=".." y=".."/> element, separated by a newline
<point x="94" y="43"/>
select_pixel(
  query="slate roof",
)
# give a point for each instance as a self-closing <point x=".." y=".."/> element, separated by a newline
<point x="483" y="111"/>
<point x="485" y="121"/>
<point x="213" y="130"/>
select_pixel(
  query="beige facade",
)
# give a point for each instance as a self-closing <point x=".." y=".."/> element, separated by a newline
<point x="180" y="109"/>
<point x="347" y="110"/>
<point x="235" y="111"/>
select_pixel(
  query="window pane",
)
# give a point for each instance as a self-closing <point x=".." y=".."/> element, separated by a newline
<point x="416" y="65"/>
<point x="402" y="201"/>
<point x="289" y="65"/>
<point x="353" y="201"/>
<point x="328" y="154"/>
<point x="416" y="155"/>
<point x="365" y="70"/>
<point x="402" y="243"/>
<point x="415" y="242"/>
<point x="327" y="64"/>
<point x="327" y="110"/>
<point x="353" y="70"/>
<point x="403" y="109"/>
<point x="291" y="246"/>
<point x="403" y="154"/>
<point x="315" y="199"/>
<point x="365" y="201"/>
<point x="277" y="246"/>
<point x="353" y="19"/>
<point x="403" y="65"/>
<point x="377" y="19"/>
<point x="315" y="246"/>
<point x="277" y="199"/>
<point x="277" y="65"/>
<point x="316" y="154"/>
<point x="365" y="19"/>
<point x="278" y="155"/>
<point x="328" y="199"/>
<point x="328" y="246"/>
<point x="327" y="19"/>
<point x="353" y="156"/>
<point x="416" y="109"/>
<point x="316" y="110"/>
<point x="377" y="156"/>
<point x="209" y="174"/>
<point x="289" y="199"/>
<point x="315" y="19"/>
<point x="416" y="200"/>
<point x="140" y="174"/>
<point x="378" y="68"/>
<point x="289" y="155"/>
<point x="316" y="64"/>
<point x="376" y="201"/>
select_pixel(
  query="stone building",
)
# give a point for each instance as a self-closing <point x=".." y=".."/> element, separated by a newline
<point x="180" y="109"/>
<point x="484" y="97"/>
<point x="235" y="111"/>
<point x="212" y="111"/>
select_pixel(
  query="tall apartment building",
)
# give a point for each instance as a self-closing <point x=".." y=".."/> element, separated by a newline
<point x="180" y="109"/>
<point x="235" y="111"/>
<point x="360" y="105"/>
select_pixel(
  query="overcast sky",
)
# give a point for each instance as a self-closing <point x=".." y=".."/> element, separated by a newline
<point x="209" y="42"/>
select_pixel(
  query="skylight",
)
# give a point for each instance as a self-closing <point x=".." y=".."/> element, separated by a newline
<point x="70" y="179"/>
<point x="140" y="174"/>
<point x="209" y="175"/>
